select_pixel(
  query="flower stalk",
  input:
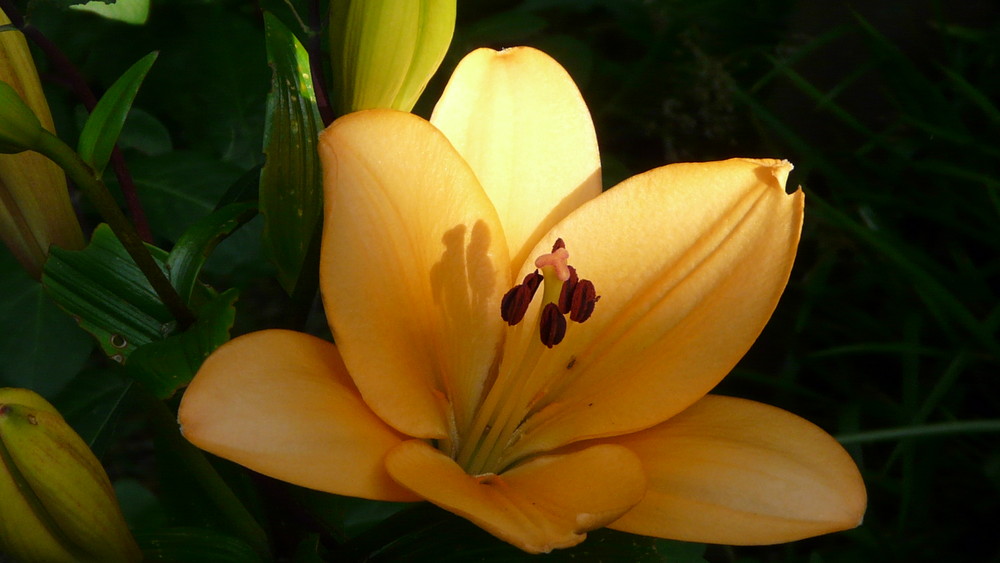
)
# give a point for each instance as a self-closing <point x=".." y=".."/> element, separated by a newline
<point x="97" y="192"/>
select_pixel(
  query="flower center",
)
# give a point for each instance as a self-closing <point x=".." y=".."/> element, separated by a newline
<point x="519" y="385"/>
<point x="567" y="295"/>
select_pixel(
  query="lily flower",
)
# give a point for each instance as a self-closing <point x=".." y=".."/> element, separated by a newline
<point x="525" y="351"/>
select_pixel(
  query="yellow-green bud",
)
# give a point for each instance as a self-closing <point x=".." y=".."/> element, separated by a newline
<point x="58" y="504"/>
<point x="385" y="51"/>
<point x="19" y="128"/>
<point x="35" y="210"/>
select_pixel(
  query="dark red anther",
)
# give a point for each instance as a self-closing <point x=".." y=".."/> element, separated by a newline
<point x="566" y="293"/>
<point x="558" y="244"/>
<point x="515" y="302"/>
<point x="553" y="325"/>
<point x="583" y="301"/>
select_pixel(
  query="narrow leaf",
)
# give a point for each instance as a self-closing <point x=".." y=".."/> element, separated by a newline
<point x="290" y="186"/>
<point x="105" y="123"/>
<point x="196" y="244"/>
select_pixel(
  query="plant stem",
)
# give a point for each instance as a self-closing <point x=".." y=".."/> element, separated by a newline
<point x="920" y="431"/>
<point x="92" y="185"/>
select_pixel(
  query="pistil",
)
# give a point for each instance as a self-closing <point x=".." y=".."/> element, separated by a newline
<point x="517" y="388"/>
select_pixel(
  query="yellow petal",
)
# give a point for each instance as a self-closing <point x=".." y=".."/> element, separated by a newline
<point x="518" y="119"/>
<point x="547" y="503"/>
<point x="282" y="404"/>
<point x="413" y="265"/>
<point x="689" y="261"/>
<point x="737" y="472"/>
<point x="35" y="209"/>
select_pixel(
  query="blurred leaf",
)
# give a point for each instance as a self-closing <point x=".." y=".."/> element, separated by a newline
<point x="145" y="133"/>
<point x="42" y="348"/>
<point x="139" y="505"/>
<point x="427" y="533"/>
<point x="101" y="131"/>
<point x="92" y="404"/>
<point x="128" y="11"/>
<point x="103" y="288"/>
<point x="291" y="196"/>
<point x="166" y="365"/>
<point x="194" y="545"/>
<point x="196" y="244"/>
<point x="211" y="79"/>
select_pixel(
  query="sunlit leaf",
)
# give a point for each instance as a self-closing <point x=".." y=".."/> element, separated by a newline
<point x="104" y="290"/>
<point x="166" y="365"/>
<point x="101" y="131"/>
<point x="290" y="188"/>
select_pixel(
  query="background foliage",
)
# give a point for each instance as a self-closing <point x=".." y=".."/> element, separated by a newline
<point x="886" y="336"/>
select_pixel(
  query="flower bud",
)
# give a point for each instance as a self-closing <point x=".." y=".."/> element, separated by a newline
<point x="58" y="504"/>
<point x="385" y="51"/>
<point x="35" y="210"/>
<point x="19" y="128"/>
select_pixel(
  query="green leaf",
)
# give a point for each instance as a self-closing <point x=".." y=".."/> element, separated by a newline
<point x="194" y="545"/>
<point x="194" y="246"/>
<point x="42" y="348"/>
<point x="101" y="131"/>
<point x="291" y="197"/>
<point x="135" y="12"/>
<point x="166" y="365"/>
<point x="92" y="404"/>
<point x="104" y="290"/>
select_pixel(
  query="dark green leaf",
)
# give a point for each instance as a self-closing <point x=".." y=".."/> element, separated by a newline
<point x="92" y="405"/>
<point x="196" y="244"/>
<point x="42" y="348"/>
<point x="101" y="131"/>
<point x="166" y="365"/>
<point x="427" y="533"/>
<point x="104" y="290"/>
<point x="194" y="545"/>
<point x="290" y="186"/>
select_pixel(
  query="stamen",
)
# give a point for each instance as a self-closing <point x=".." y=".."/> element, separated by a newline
<point x="552" y="325"/>
<point x="583" y="301"/>
<point x="515" y="302"/>
<point x="566" y="293"/>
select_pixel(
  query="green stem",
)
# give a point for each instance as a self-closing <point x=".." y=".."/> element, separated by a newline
<point x="920" y="431"/>
<point x="90" y="184"/>
<point x="233" y="513"/>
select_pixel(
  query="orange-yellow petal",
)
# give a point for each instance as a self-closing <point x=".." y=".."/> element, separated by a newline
<point x="546" y="503"/>
<point x="282" y="404"/>
<point x="689" y="261"/>
<point x="412" y="268"/>
<point x="518" y="119"/>
<point x="736" y="472"/>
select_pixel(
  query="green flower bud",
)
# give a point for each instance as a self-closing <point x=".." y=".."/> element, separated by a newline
<point x="385" y="51"/>
<point x="35" y="210"/>
<point x="19" y="128"/>
<point x="58" y="504"/>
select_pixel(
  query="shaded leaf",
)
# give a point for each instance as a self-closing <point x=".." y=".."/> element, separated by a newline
<point x="42" y="348"/>
<point x="194" y="545"/>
